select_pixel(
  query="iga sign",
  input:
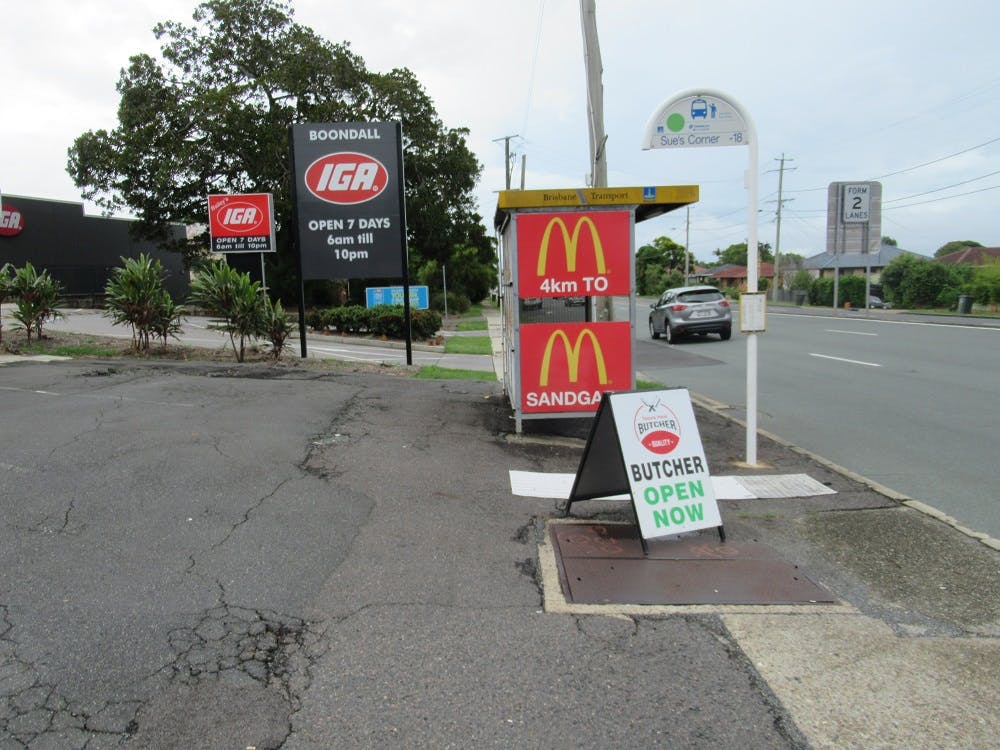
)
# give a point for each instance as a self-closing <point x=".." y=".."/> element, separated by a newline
<point x="11" y="221"/>
<point x="242" y="223"/>
<point x="348" y="192"/>
<point x="668" y="476"/>
<point x="572" y="253"/>
<point x="567" y="366"/>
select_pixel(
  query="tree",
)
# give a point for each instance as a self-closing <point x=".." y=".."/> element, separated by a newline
<point x="889" y="241"/>
<point x="213" y="117"/>
<point x="737" y="254"/>
<point x="954" y="246"/>
<point x="913" y="281"/>
<point x="660" y="265"/>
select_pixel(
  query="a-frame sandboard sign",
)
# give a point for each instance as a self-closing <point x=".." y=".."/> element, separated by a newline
<point x="646" y="443"/>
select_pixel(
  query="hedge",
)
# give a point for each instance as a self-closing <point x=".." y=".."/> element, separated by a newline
<point x="381" y="320"/>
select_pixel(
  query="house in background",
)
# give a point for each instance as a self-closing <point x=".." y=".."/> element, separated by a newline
<point x="974" y="256"/>
<point x="734" y="277"/>
<point x="825" y="265"/>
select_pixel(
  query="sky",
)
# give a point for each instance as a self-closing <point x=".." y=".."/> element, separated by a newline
<point x="906" y="92"/>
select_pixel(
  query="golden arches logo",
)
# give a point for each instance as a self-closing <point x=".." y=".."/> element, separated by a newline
<point x="573" y="356"/>
<point x="570" y="241"/>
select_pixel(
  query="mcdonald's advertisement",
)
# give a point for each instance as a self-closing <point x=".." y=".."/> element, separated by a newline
<point x="574" y="253"/>
<point x="565" y="367"/>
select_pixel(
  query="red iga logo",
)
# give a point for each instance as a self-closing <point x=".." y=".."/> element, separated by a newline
<point x="240" y="217"/>
<point x="346" y="178"/>
<point x="657" y="427"/>
<point x="11" y="222"/>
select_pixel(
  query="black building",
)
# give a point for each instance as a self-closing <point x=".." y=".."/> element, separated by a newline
<point x="77" y="250"/>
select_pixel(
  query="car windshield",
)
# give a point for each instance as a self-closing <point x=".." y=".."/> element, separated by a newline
<point x="700" y="295"/>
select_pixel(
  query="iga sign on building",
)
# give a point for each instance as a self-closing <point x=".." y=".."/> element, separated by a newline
<point x="348" y="192"/>
<point x="571" y="253"/>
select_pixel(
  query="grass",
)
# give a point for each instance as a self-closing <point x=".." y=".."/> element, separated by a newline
<point x="648" y="385"/>
<point x="471" y="325"/>
<point x="468" y="345"/>
<point x="82" y="350"/>
<point x="433" y="372"/>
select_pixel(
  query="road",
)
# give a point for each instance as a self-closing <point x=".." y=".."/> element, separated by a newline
<point x="909" y="404"/>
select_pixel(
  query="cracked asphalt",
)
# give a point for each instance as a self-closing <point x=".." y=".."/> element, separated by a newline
<point x="207" y="556"/>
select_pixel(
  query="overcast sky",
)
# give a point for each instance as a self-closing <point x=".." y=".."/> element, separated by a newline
<point x="903" y="91"/>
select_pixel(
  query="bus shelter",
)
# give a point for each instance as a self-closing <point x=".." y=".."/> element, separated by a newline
<point x="567" y="263"/>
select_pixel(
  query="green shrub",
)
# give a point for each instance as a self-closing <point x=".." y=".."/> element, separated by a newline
<point x="802" y="280"/>
<point x="135" y="296"/>
<point x="277" y="326"/>
<point x="36" y="296"/>
<point x="387" y="320"/>
<point x="235" y="299"/>
<point x="425" y="323"/>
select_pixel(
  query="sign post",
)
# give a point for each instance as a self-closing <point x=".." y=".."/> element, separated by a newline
<point x="853" y="218"/>
<point x="699" y="118"/>
<point x="350" y="214"/>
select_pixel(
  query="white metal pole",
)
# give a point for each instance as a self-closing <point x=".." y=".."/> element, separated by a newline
<point x="444" y="286"/>
<point x="752" y="269"/>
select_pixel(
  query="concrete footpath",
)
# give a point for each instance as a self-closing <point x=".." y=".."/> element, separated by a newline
<point x="206" y="555"/>
<point x="911" y="658"/>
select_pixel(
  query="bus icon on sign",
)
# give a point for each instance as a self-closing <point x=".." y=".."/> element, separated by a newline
<point x="699" y="108"/>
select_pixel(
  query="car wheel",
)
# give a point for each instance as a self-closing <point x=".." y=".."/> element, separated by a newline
<point x="669" y="333"/>
<point x="652" y="330"/>
<point x="726" y="334"/>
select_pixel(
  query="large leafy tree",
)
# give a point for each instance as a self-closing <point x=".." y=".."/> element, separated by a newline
<point x="737" y="254"/>
<point x="660" y="264"/>
<point x="212" y="117"/>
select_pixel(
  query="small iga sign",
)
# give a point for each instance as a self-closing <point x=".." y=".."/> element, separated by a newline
<point x="11" y="221"/>
<point x="242" y="223"/>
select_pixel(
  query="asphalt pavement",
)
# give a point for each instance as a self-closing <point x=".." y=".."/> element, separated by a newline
<point x="206" y="555"/>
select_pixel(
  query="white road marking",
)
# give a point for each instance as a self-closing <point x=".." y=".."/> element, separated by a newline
<point x="852" y="333"/>
<point x="841" y="359"/>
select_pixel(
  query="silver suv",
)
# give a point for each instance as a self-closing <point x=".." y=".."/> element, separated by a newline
<point x="691" y="309"/>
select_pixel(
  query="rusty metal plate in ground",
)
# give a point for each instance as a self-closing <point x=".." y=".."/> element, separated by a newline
<point x="604" y="564"/>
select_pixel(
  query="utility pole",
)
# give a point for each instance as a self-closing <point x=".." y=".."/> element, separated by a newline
<point x="506" y="155"/>
<point x="595" y="94"/>
<point x="687" y="243"/>
<point x="777" y="236"/>
<point x="595" y="114"/>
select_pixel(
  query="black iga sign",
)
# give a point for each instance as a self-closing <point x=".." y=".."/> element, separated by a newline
<point x="348" y="195"/>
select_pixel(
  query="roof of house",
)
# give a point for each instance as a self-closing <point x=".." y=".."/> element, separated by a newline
<point x="976" y="256"/>
<point x="740" y="272"/>
<point x="882" y="258"/>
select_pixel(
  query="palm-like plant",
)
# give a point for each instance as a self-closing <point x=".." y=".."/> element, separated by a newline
<point x="134" y="296"/>
<point x="36" y="295"/>
<point x="232" y="297"/>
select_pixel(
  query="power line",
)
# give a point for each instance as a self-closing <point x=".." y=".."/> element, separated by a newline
<point x="947" y="197"/>
<point x="938" y="190"/>
<point x="936" y="161"/>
